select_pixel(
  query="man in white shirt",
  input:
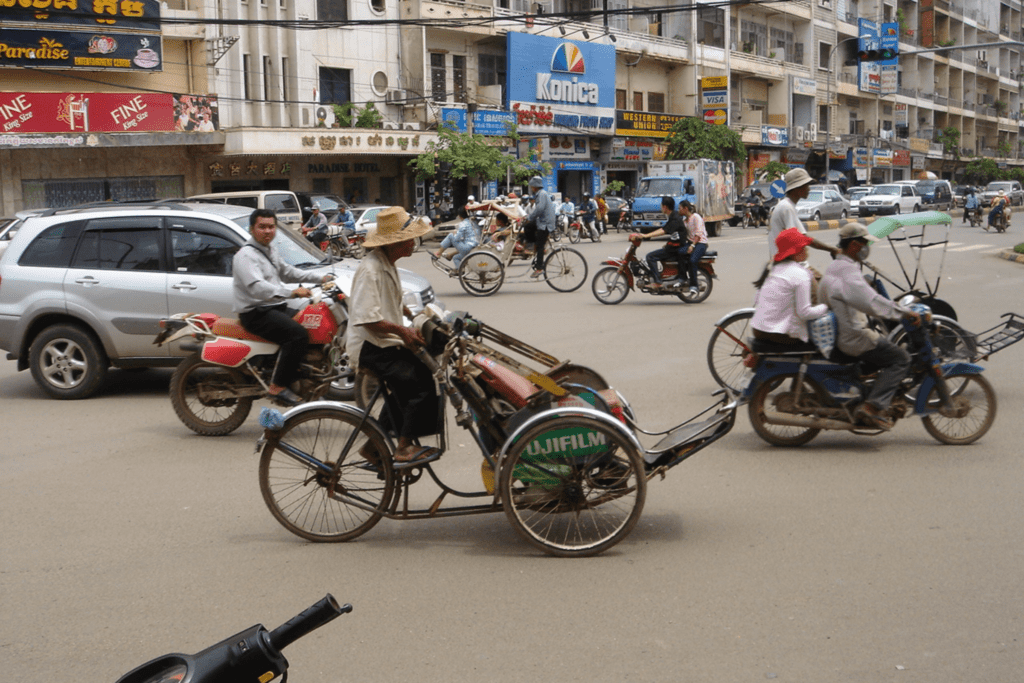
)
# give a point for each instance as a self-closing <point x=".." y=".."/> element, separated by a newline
<point x="851" y="299"/>
<point x="798" y="186"/>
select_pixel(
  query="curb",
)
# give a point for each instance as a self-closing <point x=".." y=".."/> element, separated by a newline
<point x="1011" y="255"/>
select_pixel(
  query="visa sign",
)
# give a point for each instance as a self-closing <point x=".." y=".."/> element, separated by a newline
<point x="715" y="98"/>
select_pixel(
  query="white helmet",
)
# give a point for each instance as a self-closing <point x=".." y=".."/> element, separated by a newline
<point x="470" y="198"/>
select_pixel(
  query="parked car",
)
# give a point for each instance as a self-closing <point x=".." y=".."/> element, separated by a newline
<point x="744" y="197"/>
<point x="85" y="289"/>
<point x="366" y="216"/>
<point x="7" y="231"/>
<point x="890" y="199"/>
<point x="282" y="202"/>
<point x="1012" y="189"/>
<point x="822" y="205"/>
<point x="854" y="195"/>
<point x="936" y="194"/>
<point x="615" y="205"/>
<point x="829" y="186"/>
<point x="960" y="194"/>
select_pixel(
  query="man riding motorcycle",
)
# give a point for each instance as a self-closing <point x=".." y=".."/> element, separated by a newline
<point x="971" y="204"/>
<point x="1000" y="209"/>
<point x="675" y="228"/>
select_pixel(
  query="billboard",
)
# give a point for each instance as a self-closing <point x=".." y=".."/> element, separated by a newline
<point x="878" y="77"/>
<point x="33" y="112"/>
<point x="96" y="14"/>
<point x="556" y="84"/>
<point x="100" y="51"/>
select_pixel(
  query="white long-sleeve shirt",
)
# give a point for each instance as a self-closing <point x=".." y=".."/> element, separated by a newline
<point x="259" y="275"/>
<point x="852" y="299"/>
<point x="784" y="301"/>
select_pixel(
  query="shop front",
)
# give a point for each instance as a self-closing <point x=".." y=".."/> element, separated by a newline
<point x="640" y="138"/>
<point x="362" y="166"/>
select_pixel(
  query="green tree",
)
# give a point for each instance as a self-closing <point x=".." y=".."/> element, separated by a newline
<point x="614" y="186"/>
<point x="950" y="139"/>
<point x="982" y="171"/>
<point x="691" y="138"/>
<point x="772" y="171"/>
<point x="477" y="156"/>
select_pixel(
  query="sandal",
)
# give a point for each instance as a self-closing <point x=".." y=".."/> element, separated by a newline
<point x="416" y="456"/>
<point x="869" y="415"/>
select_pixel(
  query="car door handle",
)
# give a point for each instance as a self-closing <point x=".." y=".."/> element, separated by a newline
<point x="184" y="285"/>
<point x="88" y="280"/>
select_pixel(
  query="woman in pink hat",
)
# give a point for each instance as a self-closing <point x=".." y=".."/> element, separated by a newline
<point x="784" y="300"/>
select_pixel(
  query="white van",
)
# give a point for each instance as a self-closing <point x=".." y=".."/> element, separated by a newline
<point x="282" y="202"/>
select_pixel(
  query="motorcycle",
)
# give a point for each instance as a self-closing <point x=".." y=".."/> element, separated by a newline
<point x="251" y="655"/>
<point x="625" y="222"/>
<point x="793" y="395"/>
<point x="754" y="215"/>
<point x="578" y="229"/>
<point x="973" y="216"/>
<point x="613" y="282"/>
<point x="1000" y="220"/>
<point x="345" y="244"/>
<point x="212" y="390"/>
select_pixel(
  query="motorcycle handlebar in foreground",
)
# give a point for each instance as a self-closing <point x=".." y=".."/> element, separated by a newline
<point x="251" y="655"/>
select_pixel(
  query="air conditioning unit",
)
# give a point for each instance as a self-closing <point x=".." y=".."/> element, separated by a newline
<point x="396" y="97"/>
<point x="323" y="115"/>
<point x="411" y="126"/>
<point x="388" y="125"/>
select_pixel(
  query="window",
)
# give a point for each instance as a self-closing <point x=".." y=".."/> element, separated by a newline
<point x="280" y="202"/>
<point x="267" y="74"/>
<point x="782" y="44"/>
<point x="459" y="77"/>
<point x="335" y="85"/>
<point x="438" y="76"/>
<point x="638" y="101"/>
<point x="824" y="50"/>
<point x="245" y="77"/>
<point x="120" y="244"/>
<point x="53" y="247"/>
<point x="378" y="5"/>
<point x="823" y="122"/>
<point x="284" y="79"/>
<point x="711" y="26"/>
<point x="655" y="101"/>
<point x="198" y="249"/>
<point x="332" y="10"/>
<point x="754" y="38"/>
<point x="620" y="99"/>
<point x="492" y="70"/>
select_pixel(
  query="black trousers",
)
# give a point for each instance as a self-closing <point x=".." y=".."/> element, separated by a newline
<point x="411" y="384"/>
<point x="275" y="323"/>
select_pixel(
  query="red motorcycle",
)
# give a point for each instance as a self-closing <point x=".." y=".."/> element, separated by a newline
<point x="213" y="389"/>
<point x="612" y="283"/>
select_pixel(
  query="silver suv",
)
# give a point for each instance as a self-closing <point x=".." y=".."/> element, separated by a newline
<point x="83" y="289"/>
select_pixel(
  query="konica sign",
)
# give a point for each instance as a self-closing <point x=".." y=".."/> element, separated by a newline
<point x="561" y="86"/>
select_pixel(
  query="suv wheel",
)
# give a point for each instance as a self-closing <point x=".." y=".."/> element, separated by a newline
<point x="67" y="362"/>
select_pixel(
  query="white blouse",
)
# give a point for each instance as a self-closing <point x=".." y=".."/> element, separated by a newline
<point x="784" y="302"/>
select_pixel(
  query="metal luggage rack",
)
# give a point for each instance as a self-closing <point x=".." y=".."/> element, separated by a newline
<point x="999" y="337"/>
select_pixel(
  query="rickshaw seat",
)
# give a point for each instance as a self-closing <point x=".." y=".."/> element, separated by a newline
<point x="511" y="385"/>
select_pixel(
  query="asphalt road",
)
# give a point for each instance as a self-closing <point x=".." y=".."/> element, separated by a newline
<point x="891" y="558"/>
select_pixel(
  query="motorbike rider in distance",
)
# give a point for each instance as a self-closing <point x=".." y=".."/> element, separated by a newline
<point x="852" y="299"/>
<point x="315" y="229"/>
<point x="757" y="207"/>
<point x="675" y="228"/>
<point x="261" y="298"/>
<point x="588" y="207"/>
<point x="1000" y="205"/>
<point x="971" y="204"/>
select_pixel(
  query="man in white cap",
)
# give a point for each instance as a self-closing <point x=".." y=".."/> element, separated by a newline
<point x="379" y="341"/>
<point x="852" y="299"/>
<point x="784" y="216"/>
<point x="315" y="229"/>
<point x="543" y="215"/>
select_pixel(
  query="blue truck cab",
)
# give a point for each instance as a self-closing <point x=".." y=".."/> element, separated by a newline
<point x="708" y="184"/>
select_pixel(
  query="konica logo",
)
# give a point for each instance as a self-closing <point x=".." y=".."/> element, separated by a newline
<point x="567" y="59"/>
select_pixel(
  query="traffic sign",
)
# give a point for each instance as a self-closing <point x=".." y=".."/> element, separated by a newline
<point x="778" y="188"/>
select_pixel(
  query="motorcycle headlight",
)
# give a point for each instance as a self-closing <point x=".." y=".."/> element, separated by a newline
<point x="922" y="310"/>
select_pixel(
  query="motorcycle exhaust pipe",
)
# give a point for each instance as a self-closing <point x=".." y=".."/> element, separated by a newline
<point x="806" y="421"/>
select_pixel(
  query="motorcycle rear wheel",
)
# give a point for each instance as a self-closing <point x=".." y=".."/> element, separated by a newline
<point x="192" y="380"/>
<point x="773" y="394"/>
<point x="972" y="414"/>
<point x="704" y="285"/>
<point x="609" y="285"/>
<point x="308" y="494"/>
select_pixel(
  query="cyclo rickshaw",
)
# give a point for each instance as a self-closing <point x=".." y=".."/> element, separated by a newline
<point x="561" y="452"/>
<point x="483" y="270"/>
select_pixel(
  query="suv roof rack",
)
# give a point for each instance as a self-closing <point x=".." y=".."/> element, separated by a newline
<point x="110" y="205"/>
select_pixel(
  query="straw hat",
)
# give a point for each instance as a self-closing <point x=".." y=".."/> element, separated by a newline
<point x="798" y="177"/>
<point x="789" y="242"/>
<point x="394" y="224"/>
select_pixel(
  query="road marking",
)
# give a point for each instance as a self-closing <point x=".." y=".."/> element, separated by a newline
<point x="970" y="247"/>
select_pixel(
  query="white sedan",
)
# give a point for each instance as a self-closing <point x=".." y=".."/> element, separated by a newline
<point x="890" y="199"/>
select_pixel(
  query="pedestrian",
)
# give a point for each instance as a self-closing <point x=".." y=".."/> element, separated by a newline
<point x="784" y="216"/>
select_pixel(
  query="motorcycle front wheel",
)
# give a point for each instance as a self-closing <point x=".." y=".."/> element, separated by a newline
<point x="310" y="492"/>
<point x="201" y="395"/>
<point x="574" y="234"/>
<point x="777" y="397"/>
<point x="971" y="415"/>
<point x="609" y="285"/>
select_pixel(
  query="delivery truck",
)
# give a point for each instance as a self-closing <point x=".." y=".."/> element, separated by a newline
<point x="708" y="184"/>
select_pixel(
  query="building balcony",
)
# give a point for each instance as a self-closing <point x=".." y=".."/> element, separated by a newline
<point x="765" y="67"/>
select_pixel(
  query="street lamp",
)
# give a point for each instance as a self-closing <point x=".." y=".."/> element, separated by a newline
<point x="828" y="103"/>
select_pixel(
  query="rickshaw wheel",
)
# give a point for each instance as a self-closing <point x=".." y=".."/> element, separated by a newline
<point x="481" y="273"/>
<point x="565" y="270"/>
<point x="308" y="494"/>
<point x="726" y="355"/>
<point x="573" y="486"/>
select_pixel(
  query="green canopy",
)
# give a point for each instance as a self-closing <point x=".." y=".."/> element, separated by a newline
<point x="886" y="225"/>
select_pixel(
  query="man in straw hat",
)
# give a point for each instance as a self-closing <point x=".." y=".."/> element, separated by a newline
<point x="798" y="186"/>
<point x="378" y="340"/>
<point x="852" y="299"/>
<point x="543" y="215"/>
